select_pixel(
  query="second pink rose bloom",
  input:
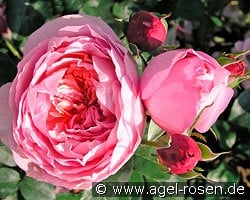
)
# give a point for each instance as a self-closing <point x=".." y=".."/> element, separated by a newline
<point x="178" y="85"/>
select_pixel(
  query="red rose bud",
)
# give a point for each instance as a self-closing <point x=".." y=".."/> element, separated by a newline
<point x="237" y="68"/>
<point x="146" y="30"/>
<point x="181" y="156"/>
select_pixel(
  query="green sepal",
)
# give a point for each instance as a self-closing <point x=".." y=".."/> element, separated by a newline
<point x="198" y="169"/>
<point x="154" y="131"/>
<point x="239" y="80"/>
<point x="191" y="174"/>
<point x="164" y="141"/>
<point x="230" y="58"/>
<point x="207" y="154"/>
<point x="238" y="54"/>
<point x="199" y="136"/>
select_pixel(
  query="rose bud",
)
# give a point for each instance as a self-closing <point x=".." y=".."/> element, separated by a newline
<point x="181" y="156"/>
<point x="237" y="68"/>
<point x="241" y="46"/>
<point x="178" y="85"/>
<point x="146" y="30"/>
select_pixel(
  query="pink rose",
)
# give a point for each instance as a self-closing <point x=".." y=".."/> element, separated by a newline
<point x="77" y="116"/>
<point x="182" y="155"/>
<point x="146" y="31"/>
<point x="177" y="85"/>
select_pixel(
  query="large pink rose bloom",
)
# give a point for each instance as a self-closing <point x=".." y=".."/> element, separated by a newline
<point x="77" y="116"/>
<point x="177" y="85"/>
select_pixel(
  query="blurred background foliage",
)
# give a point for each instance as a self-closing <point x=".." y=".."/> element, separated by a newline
<point x="212" y="26"/>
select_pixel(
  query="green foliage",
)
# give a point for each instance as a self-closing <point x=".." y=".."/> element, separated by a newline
<point x="69" y="195"/>
<point x="6" y="156"/>
<point x="93" y="7"/>
<point x="224" y="173"/>
<point x="33" y="189"/>
<point x="187" y="12"/>
<point x="7" y="69"/>
<point x="225" y="134"/>
<point x="240" y="113"/>
<point x="124" y="9"/>
<point x="9" y="181"/>
<point x="22" y="17"/>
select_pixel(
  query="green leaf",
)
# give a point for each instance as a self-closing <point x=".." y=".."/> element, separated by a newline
<point x="242" y="121"/>
<point x="216" y="21"/>
<point x="187" y="12"/>
<point x="68" y="195"/>
<point x="22" y="17"/>
<point x="124" y="9"/>
<point x="86" y="194"/>
<point x="205" y="31"/>
<point x="224" y="60"/>
<point x="72" y="6"/>
<point x="93" y="7"/>
<point x="240" y="106"/>
<point x="224" y="173"/>
<point x="226" y="136"/>
<point x="207" y="154"/>
<point x="13" y="196"/>
<point x="244" y="100"/>
<point x="32" y="189"/>
<point x="240" y="112"/>
<point x="9" y="181"/>
<point x="123" y="174"/>
<point x="7" y="68"/>
<point x="154" y="131"/>
<point x="6" y="157"/>
<point x="44" y="8"/>
<point x="215" y="5"/>
<point x="242" y="151"/>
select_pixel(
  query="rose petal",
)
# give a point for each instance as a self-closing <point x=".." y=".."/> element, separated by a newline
<point x="219" y="105"/>
<point x="6" y="115"/>
<point x="50" y="29"/>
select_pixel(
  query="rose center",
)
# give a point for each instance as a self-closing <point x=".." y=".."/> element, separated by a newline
<point x="75" y="105"/>
<point x="76" y="92"/>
